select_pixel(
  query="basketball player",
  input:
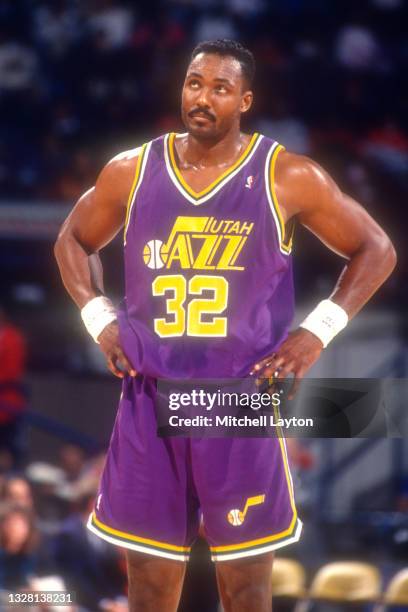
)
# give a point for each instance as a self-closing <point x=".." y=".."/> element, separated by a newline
<point x="207" y="219"/>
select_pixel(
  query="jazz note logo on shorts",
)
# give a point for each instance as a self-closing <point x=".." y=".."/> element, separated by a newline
<point x="237" y="517"/>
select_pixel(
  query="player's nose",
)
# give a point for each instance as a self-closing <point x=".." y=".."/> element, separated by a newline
<point x="203" y="98"/>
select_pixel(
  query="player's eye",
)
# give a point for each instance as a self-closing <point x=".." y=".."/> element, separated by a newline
<point x="194" y="84"/>
<point x="220" y="89"/>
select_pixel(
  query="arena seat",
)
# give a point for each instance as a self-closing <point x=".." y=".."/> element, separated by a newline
<point x="396" y="594"/>
<point x="344" y="582"/>
<point x="288" y="578"/>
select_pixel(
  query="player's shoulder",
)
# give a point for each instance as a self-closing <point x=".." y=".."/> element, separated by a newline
<point x="121" y="167"/>
<point x="117" y="175"/>
<point x="298" y="173"/>
<point x="300" y="181"/>
<point x="289" y="166"/>
<point x="129" y="155"/>
<point x="127" y="158"/>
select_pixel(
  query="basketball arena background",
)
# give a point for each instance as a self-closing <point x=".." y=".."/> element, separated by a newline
<point x="83" y="80"/>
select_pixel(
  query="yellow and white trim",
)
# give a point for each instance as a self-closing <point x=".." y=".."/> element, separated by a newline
<point x="285" y="245"/>
<point x="137" y="181"/>
<point x="133" y="542"/>
<point x="262" y="545"/>
<point x="259" y="546"/>
<point x="200" y="197"/>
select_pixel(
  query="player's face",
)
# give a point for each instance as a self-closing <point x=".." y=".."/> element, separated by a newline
<point x="214" y="96"/>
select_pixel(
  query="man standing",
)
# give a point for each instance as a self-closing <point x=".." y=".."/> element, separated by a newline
<point x="208" y="220"/>
<point x="13" y="401"/>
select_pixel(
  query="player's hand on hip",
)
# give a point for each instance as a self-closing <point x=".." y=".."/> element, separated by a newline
<point x="296" y="355"/>
<point x="116" y="360"/>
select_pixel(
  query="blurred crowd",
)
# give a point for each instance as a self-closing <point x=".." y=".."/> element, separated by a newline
<point x="44" y="544"/>
<point x="82" y="80"/>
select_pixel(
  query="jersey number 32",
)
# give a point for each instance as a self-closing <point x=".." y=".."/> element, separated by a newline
<point x="188" y="318"/>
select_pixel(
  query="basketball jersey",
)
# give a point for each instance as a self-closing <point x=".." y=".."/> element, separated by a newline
<point x="208" y="275"/>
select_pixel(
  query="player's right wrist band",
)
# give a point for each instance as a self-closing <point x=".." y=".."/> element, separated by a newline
<point x="97" y="314"/>
<point x="326" y="321"/>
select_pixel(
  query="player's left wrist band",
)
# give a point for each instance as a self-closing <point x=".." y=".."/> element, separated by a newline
<point x="97" y="314"/>
<point x="326" y="321"/>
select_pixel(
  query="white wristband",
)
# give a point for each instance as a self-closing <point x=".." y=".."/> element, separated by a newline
<point x="326" y="321"/>
<point x="97" y="314"/>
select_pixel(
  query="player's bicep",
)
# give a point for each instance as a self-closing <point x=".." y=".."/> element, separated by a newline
<point x="94" y="221"/>
<point x="100" y="213"/>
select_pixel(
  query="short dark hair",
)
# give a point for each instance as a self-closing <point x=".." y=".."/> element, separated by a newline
<point x="232" y="48"/>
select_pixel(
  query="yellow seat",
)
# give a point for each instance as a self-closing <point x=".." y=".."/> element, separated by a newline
<point x="346" y="582"/>
<point x="288" y="578"/>
<point x="397" y="591"/>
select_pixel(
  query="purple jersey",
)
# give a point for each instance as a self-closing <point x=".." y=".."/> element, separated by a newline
<point x="208" y="293"/>
<point x="209" y="286"/>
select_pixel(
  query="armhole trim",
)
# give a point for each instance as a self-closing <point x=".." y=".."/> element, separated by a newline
<point x="285" y="246"/>
<point x="137" y="181"/>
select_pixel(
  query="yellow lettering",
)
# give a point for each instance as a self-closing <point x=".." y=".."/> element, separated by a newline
<point x="207" y="225"/>
<point x="201" y="261"/>
<point x="215" y="226"/>
<point x="246" y="227"/>
<point x="227" y="225"/>
<point x="180" y="251"/>
<point x="185" y="225"/>
<point x="235" y="228"/>
<point x="231" y="252"/>
<point x="215" y="249"/>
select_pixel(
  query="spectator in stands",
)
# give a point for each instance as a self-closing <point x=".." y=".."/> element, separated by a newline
<point x="17" y="492"/>
<point x="72" y="461"/>
<point x="114" y="20"/>
<point x="19" y="548"/>
<point x="387" y="147"/>
<point x="13" y="400"/>
<point x="213" y="25"/>
<point x="18" y="65"/>
<point x="357" y="48"/>
<point x="78" y="176"/>
<point x="56" y="25"/>
<point x="92" y="568"/>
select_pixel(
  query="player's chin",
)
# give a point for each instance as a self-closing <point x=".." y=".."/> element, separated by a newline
<point x="203" y="131"/>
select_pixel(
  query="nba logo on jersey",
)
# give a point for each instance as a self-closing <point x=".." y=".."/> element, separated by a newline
<point x="249" y="182"/>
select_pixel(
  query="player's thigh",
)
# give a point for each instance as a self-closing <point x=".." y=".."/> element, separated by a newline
<point x="246" y="584"/>
<point x="154" y="582"/>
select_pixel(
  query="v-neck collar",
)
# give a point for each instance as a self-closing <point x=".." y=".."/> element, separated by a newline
<point x="202" y="196"/>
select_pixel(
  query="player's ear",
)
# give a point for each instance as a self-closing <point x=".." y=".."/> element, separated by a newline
<point x="246" y="101"/>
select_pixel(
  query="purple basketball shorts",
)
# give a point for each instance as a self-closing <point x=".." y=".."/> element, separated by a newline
<point x="155" y="490"/>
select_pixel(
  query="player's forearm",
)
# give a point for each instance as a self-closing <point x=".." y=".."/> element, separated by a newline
<point x="81" y="272"/>
<point x="366" y="271"/>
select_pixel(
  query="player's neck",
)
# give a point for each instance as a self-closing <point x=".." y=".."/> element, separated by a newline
<point x="203" y="153"/>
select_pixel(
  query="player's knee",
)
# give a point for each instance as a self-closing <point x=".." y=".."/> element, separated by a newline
<point x="251" y="597"/>
<point x="153" y="580"/>
<point x="247" y="582"/>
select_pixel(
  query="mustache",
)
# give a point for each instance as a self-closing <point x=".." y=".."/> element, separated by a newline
<point x="202" y="111"/>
